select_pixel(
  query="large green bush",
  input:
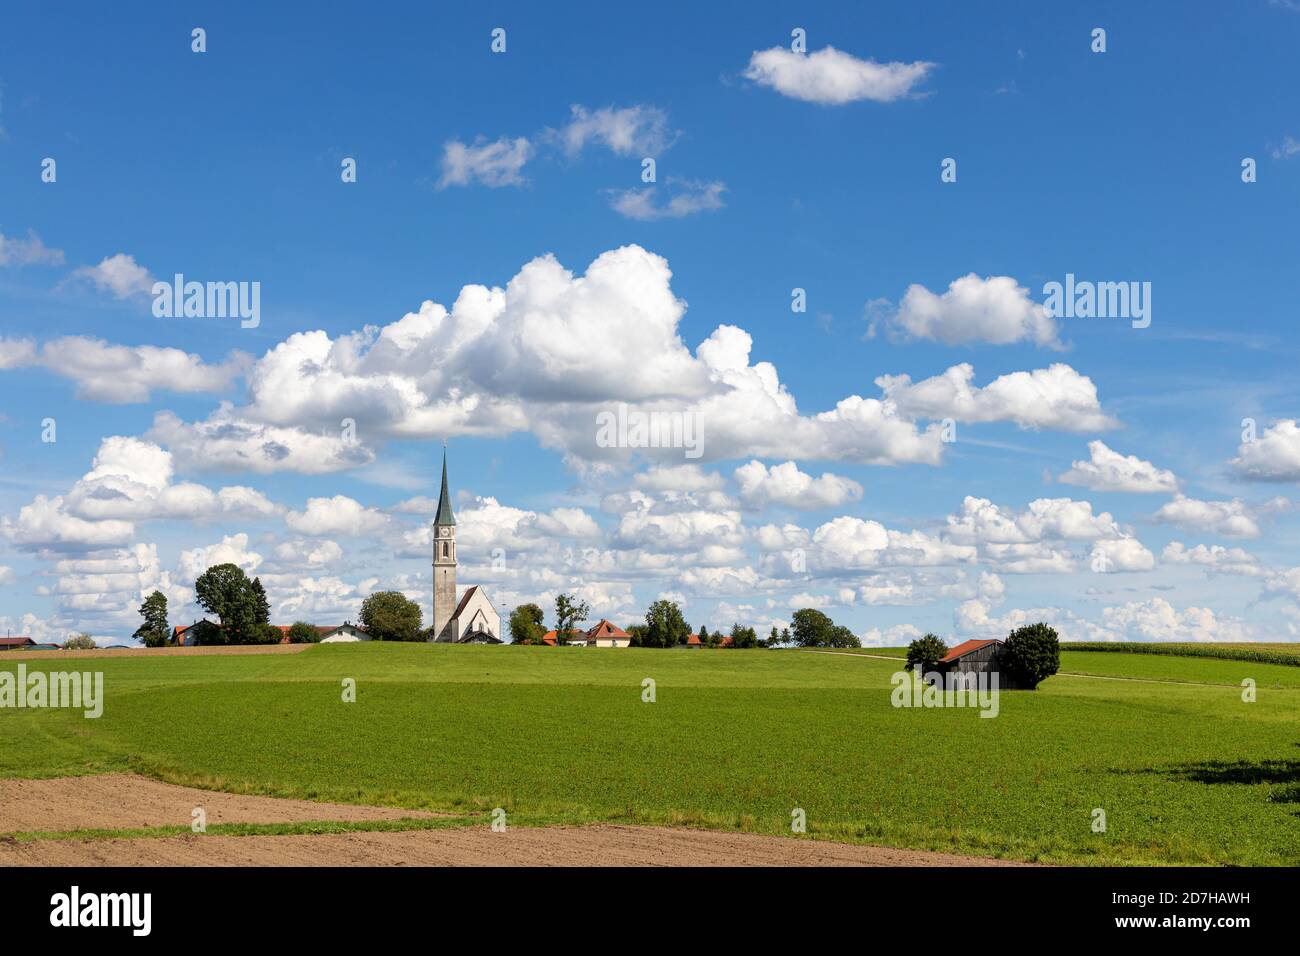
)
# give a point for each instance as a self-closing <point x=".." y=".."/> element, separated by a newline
<point x="1031" y="654"/>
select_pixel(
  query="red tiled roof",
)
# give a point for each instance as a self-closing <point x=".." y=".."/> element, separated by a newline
<point x="964" y="648"/>
<point x="15" y="641"/>
<point x="575" y="635"/>
<point x="692" y="639"/>
<point x="606" y="629"/>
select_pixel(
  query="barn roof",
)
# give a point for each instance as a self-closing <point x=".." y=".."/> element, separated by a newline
<point x="964" y="648"/>
<point x="15" y="641"/>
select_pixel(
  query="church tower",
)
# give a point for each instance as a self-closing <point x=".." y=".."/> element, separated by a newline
<point x="444" y="562"/>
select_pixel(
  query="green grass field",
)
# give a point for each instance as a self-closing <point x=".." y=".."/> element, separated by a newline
<point x="1186" y="772"/>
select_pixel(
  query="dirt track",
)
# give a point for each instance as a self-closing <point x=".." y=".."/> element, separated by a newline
<point x="476" y="846"/>
<point x="153" y="652"/>
<point x="122" y="801"/>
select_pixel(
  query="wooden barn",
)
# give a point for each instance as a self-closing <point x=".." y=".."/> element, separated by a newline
<point x="973" y="658"/>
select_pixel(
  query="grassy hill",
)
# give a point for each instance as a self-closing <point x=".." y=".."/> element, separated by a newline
<point x="1185" y="771"/>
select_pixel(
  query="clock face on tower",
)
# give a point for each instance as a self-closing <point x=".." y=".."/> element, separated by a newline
<point x="443" y="532"/>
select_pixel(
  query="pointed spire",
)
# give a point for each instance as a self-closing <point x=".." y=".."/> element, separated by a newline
<point x="445" y="517"/>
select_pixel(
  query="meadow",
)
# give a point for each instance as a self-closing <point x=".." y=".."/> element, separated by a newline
<point x="1185" y="770"/>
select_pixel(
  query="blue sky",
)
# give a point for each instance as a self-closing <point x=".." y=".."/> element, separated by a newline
<point x="225" y="166"/>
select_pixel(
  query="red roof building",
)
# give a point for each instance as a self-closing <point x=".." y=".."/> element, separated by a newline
<point x="964" y="648"/>
<point x="10" y="643"/>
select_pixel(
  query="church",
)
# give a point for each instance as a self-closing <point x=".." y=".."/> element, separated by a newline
<point x="472" y="619"/>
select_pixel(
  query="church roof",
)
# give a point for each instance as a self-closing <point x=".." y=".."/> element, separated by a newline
<point x="445" y="517"/>
<point x="463" y="601"/>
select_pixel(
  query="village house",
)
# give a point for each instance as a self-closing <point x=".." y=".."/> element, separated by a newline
<point x="603" y="634"/>
<point x="16" y="643"/>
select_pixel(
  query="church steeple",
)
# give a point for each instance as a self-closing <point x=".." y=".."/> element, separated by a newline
<point x="444" y="517"/>
<point x="444" y="562"/>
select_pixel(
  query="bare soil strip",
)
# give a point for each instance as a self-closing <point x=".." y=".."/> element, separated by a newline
<point x="125" y="801"/>
<point x="153" y="652"/>
<point x="602" y="845"/>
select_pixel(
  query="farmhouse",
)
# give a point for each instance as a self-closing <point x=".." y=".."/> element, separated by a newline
<point x="345" y="633"/>
<point x="15" y="643"/>
<point x="604" y="634"/>
<point x="184" y="635"/>
<point x="472" y="619"/>
<point x="970" y="658"/>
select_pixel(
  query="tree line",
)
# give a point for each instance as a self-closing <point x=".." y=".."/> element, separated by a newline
<point x="243" y="614"/>
<point x="666" y="626"/>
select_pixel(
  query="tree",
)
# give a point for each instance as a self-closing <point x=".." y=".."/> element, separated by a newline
<point x="664" y="625"/>
<point x="303" y="633"/>
<point x="154" y="631"/>
<point x="743" y="637"/>
<point x="569" y="611"/>
<point x="704" y="635"/>
<point x="774" y="638"/>
<point x="811" y="628"/>
<point x="636" y="634"/>
<point x="526" y="625"/>
<point x="224" y="590"/>
<point x="1031" y="654"/>
<point x="391" y="616"/>
<point x="842" y="636"/>
<point x="925" y="652"/>
<point x="262" y="605"/>
<point x="83" y="642"/>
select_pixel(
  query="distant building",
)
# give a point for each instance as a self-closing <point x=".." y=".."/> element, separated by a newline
<point x="971" y="658"/>
<point x="603" y="634"/>
<point x="345" y="633"/>
<point x="15" y="643"/>
<point x="185" y="636"/>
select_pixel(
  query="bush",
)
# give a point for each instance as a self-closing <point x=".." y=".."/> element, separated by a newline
<point x="303" y="633"/>
<point x="79" y="642"/>
<point x="1031" y="654"/>
<point x="926" y="651"/>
